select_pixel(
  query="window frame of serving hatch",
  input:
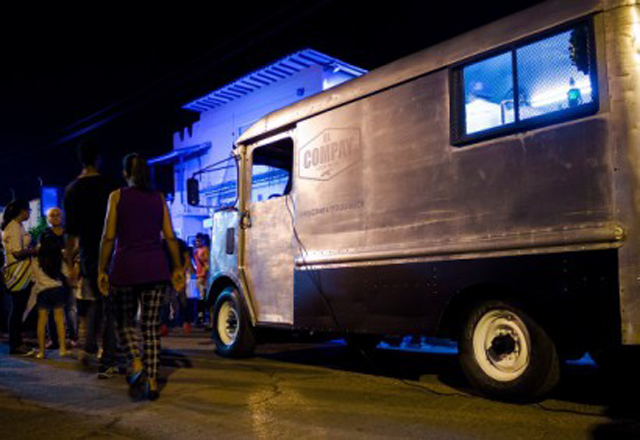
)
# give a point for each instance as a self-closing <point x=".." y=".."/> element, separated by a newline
<point x="458" y="136"/>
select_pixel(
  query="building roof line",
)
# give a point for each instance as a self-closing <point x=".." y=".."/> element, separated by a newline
<point x="270" y="74"/>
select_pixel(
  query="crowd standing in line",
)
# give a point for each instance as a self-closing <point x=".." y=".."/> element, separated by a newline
<point x="92" y="289"/>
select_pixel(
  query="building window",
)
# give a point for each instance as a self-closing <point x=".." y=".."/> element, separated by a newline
<point x="540" y="82"/>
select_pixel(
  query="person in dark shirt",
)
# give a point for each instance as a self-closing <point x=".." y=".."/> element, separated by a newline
<point x="55" y="233"/>
<point x="85" y="205"/>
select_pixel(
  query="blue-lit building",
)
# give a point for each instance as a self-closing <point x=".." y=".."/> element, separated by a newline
<point x="224" y="115"/>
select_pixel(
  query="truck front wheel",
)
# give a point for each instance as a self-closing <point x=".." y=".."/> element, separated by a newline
<point x="507" y="355"/>
<point x="233" y="333"/>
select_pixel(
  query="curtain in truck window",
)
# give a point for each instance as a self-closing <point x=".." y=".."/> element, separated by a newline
<point x="551" y="77"/>
<point x="537" y="82"/>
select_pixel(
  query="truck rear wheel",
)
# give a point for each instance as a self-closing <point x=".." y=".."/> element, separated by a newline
<point x="233" y="333"/>
<point x="507" y="355"/>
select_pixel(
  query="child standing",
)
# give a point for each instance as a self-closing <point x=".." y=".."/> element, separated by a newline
<point x="49" y="275"/>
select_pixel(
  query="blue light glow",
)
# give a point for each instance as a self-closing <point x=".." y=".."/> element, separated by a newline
<point x="50" y="198"/>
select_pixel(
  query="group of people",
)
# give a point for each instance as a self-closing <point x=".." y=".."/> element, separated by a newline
<point x="112" y="263"/>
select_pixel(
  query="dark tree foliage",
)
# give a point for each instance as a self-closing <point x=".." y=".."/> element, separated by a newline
<point x="579" y="49"/>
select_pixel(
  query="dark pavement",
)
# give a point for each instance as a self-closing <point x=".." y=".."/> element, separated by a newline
<point x="301" y="390"/>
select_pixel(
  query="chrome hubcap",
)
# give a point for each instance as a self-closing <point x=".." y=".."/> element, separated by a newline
<point x="501" y="345"/>
<point x="227" y="323"/>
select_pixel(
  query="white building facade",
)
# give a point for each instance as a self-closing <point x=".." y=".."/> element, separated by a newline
<point x="204" y="149"/>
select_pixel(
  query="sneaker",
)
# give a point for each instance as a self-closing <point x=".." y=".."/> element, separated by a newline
<point x="40" y="355"/>
<point x="107" y="372"/>
<point x="22" y="351"/>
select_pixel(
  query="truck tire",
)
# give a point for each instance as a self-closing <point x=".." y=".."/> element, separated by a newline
<point x="506" y="355"/>
<point x="233" y="333"/>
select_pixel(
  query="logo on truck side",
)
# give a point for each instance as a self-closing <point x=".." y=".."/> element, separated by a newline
<point x="329" y="154"/>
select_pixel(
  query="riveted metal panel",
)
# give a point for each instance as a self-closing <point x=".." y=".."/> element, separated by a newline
<point x="622" y="33"/>
<point x="398" y="185"/>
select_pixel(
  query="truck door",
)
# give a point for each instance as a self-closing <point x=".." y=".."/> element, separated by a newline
<point x="269" y="255"/>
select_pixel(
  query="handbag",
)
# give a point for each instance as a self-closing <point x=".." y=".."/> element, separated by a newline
<point x="17" y="275"/>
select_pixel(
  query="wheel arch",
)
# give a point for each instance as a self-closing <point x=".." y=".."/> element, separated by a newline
<point x="465" y="300"/>
<point x="217" y="287"/>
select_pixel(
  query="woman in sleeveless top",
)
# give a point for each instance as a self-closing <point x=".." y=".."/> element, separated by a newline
<point x="137" y="273"/>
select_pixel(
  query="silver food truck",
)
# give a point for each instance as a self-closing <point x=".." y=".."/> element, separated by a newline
<point x="486" y="189"/>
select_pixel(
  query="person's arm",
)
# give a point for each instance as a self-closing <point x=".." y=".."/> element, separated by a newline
<point x="71" y="247"/>
<point x="106" y="244"/>
<point x="206" y="259"/>
<point x="177" y="278"/>
<point x="69" y="255"/>
<point x="188" y="266"/>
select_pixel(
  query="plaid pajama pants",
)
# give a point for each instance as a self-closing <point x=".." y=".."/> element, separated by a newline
<point x="150" y="298"/>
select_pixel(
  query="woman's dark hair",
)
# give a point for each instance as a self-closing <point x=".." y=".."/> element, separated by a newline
<point x="13" y="210"/>
<point x="50" y="257"/>
<point x="135" y="166"/>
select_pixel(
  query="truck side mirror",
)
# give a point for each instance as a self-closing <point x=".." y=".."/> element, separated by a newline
<point x="193" y="191"/>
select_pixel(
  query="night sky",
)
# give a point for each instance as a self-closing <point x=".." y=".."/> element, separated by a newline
<point x="122" y="74"/>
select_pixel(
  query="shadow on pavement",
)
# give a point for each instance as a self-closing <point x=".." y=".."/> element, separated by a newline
<point x="174" y="359"/>
<point x="616" y="390"/>
<point x="619" y="387"/>
<point x="387" y="363"/>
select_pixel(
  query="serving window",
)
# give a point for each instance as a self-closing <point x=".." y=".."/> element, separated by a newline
<point x="538" y="82"/>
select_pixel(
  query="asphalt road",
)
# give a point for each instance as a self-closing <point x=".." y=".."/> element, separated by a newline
<point x="297" y="390"/>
